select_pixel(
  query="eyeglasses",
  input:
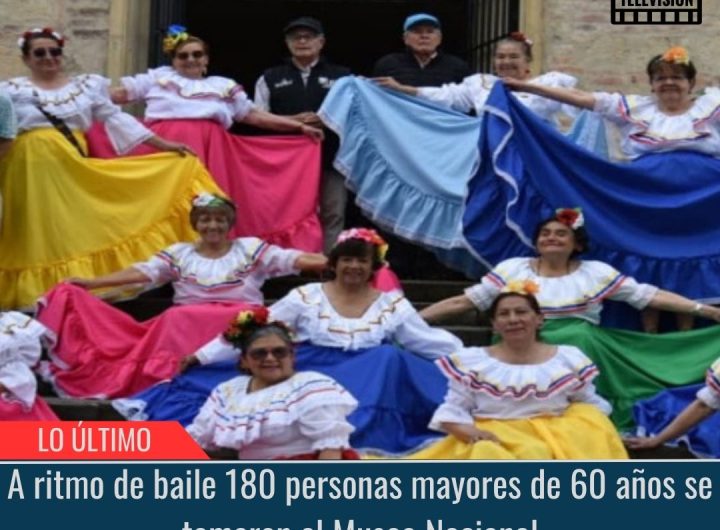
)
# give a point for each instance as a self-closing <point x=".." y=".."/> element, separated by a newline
<point x="302" y="36"/>
<point x="42" y="52"/>
<point x="279" y="352"/>
<point x="184" y="56"/>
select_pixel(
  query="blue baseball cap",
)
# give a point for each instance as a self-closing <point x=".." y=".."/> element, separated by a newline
<point x="420" y="18"/>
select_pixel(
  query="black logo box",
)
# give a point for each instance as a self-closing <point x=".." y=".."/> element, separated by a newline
<point x="643" y="12"/>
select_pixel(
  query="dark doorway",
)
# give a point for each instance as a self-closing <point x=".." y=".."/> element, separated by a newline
<point x="245" y="36"/>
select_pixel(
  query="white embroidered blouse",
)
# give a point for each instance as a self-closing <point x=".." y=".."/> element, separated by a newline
<point x="311" y="316"/>
<point x="235" y="277"/>
<point x="579" y="294"/>
<point x="710" y="393"/>
<point x="20" y="348"/>
<point x="481" y="386"/>
<point x="645" y="129"/>
<point x="83" y="100"/>
<point x="168" y="95"/>
<point x="473" y="91"/>
<point x="304" y="414"/>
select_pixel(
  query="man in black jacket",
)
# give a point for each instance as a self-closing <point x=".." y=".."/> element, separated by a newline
<point x="422" y="63"/>
<point x="297" y="88"/>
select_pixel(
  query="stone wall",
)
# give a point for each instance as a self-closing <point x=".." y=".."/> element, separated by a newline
<point x="84" y="22"/>
<point x="579" y="39"/>
<point x="575" y="36"/>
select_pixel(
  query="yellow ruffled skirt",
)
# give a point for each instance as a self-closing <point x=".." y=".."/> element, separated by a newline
<point x="65" y="215"/>
<point x="581" y="433"/>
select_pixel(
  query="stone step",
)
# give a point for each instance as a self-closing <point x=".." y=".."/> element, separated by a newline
<point x="70" y="409"/>
<point x="420" y="292"/>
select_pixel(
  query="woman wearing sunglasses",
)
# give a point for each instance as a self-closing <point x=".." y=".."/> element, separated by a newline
<point x="68" y="215"/>
<point x="258" y="173"/>
<point x="272" y="411"/>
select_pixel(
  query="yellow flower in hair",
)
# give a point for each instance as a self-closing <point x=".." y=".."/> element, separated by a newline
<point x="676" y="55"/>
<point x="524" y="287"/>
<point x="175" y="35"/>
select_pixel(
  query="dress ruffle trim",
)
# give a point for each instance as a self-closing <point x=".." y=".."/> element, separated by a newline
<point x="239" y="424"/>
<point x="173" y="227"/>
<point x="475" y="369"/>
<point x="79" y="93"/>
<point x="312" y="295"/>
<point x="213" y="87"/>
<point x="640" y="110"/>
<point x="305" y="234"/>
<point x="385" y="196"/>
<point x="238" y="275"/>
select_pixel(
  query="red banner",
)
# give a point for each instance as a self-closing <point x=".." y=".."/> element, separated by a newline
<point x="97" y="440"/>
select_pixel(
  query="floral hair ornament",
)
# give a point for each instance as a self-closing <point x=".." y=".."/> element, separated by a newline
<point x="248" y="322"/>
<point x="175" y="35"/>
<point x="521" y="37"/>
<point x="676" y="55"/>
<point x="38" y="32"/>
<point x="522" y="287"/>
<point x="572" y="217"/>
<point x="368" y="235"/>
<point x="208" y="200"/>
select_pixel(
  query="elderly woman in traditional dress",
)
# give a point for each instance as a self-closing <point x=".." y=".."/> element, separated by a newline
<point x="522" y="398"/>
<point x="273" y="411"/>
<point x="68" y="215"/>
<point x="258" y="173"/>
<point x="102" y="352"/>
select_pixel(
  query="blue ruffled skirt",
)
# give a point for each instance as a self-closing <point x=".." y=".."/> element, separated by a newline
<point x="397" y="392"/>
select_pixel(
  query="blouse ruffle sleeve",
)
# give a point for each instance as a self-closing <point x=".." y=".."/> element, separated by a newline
<point x="288" y="309"/>
<point x="327" y="426"/>
<point x="547" y="107"/>
<point x="417" y="336"/>
<point x="202" y="429"/>
<point x="462" y="96"/>
<point x="456" y="408"/>
<point x="483" y="293"/>
<point x="615" y="106"/>
<point x="279" y="261"/>
<point x="137" y="86"/>
<point x="625" y="288"/>
<point x="241" y="103"/>
<point x="710" y="393"/>
<point x="163" y="266"/>
<point x="124" y="131"/>
<point x="217" y="350"/>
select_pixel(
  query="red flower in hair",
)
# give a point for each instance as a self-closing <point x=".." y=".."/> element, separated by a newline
<point x="261" y="315"/>
<point x="571" y="217"/>
<point x="520" y="37"/>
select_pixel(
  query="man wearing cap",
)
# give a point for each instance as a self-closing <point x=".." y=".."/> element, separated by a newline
<point x="422" y="64"/>
<point x="297" y="88"/>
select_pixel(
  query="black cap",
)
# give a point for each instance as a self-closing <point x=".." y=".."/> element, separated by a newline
<point x="305" y="22"/>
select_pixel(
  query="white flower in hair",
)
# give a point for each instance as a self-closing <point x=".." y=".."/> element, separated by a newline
<point x="40" y="31"/>
<point x="203" y="199"/>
